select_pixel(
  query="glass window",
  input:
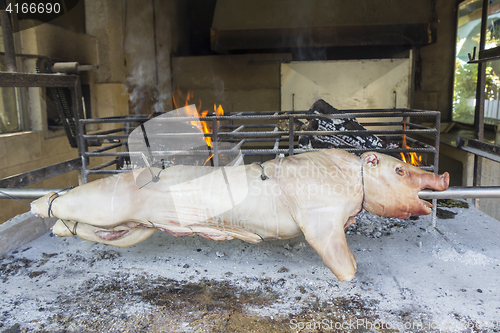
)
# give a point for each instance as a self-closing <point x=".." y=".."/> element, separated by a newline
<point x="468" y="35"/>
<point x="9" y="119"/>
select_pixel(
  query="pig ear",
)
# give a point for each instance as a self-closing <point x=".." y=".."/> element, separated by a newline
<point x="371" y="160"/>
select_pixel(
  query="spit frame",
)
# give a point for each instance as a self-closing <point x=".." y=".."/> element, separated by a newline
<point x="229" y="128"/>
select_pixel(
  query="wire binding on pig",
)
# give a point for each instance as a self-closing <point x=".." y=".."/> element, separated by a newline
<point x="51" y="200"/>
<point x="73" y="232"/>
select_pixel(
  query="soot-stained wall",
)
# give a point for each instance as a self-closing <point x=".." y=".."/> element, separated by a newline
<point x="138" y="40"/>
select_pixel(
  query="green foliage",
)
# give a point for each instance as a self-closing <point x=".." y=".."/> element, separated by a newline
<point x="466" y="82"/>
<point x="465" y="89"/>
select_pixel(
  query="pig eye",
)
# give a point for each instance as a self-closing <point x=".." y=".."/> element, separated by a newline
<point x="400" y="171"/>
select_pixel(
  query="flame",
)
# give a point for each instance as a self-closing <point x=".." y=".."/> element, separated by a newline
<point x="203" y="126"/>
<point x="410" y="158"/>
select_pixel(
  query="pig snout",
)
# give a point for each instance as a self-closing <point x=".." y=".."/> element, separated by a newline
<point x="436" y="182"/>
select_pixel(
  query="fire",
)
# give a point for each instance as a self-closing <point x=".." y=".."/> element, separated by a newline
<point x="203" y="126"/>
<point x="410" y="158"/>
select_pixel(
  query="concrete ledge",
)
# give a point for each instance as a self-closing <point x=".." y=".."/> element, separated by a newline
<point x="21" y="230"/>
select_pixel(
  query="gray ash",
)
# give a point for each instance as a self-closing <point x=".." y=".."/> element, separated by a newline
<point x="14" y="266"/>
<point x="373" y="226"/>
<point x="93" y="257"/>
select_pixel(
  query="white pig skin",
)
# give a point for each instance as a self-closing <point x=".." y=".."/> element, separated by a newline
<point x="316" y="193"/>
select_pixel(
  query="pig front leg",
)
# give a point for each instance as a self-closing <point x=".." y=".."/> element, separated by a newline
<point x="123" y="235"/>
<point x="325" y="233"/>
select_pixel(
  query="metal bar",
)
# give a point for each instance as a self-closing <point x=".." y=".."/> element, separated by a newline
<point x="280" y="133"/>
<point x="263" y="116"/>
<point x="346" y="111"/>
<point x="405" y="120"/>
<point x="248" y="151"/>
<point x="487" y="55"/>
<point x="105" y="172"/>
<point x="261" y="134"/>
<point x="38" y="175"/>
<point x="8" y="42"/>
<point x="113" y="146"/>
<point x="451" y="193"/>
<point x="146" y="141"/>
<point x="36" y="80"/>
<point x="230" y="125"/>
<point x="437" y="139"/>
<point x="418" y="125"/>
<point x="238" y="145"/>
<point x="290" y="136"/>
<point x="24" y="55"/>
<point x="254" y="140"/>
<point x="28" y="193"/>
<point x="427" y="168"/>
<point x="480" y="95"/>
<point x="480" y="153"/>
<point x="76" y="94"/>
<point x="118" y="119"/>
<point x="415" y="141"/>
<point x="393" y="123"/>
<point x="239" y="128"/>
<point x="154" y="178"/>
<point x="277" y="141"/>
<point x="484" y="149"/>
<point x="105" y="165"/>
<point x="215" y="142"/>
<point x="462" y="192"/>
<point x="82" y="150"/>
<point x="111" y="131"/>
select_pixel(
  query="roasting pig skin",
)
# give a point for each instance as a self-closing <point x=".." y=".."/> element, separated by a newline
<point x="315" y="193"/>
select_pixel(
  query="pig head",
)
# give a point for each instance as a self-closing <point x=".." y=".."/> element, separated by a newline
<point x="391" y="186"/>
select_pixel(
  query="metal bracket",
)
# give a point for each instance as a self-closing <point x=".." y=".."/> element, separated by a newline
<point x="483" y="149"/>
<point x="38" y="175"/>
<point x="51" y="81"/>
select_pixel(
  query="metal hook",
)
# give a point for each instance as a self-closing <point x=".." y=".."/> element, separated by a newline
<point x="263" y="175"/>
<point x="155" y="177"/>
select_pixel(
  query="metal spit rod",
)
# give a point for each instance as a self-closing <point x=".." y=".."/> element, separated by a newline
<point x="462" y="192"/>
<point x="450" y="193"/>
<point x="28" y="193"/>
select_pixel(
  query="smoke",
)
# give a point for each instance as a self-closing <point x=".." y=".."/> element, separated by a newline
<point x="218" y="89"/>
<point x="164" y="86"/>
<point x="147" y="58"/>
<point x="305" y="50"/>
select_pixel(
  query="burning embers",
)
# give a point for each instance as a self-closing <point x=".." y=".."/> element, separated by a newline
<point x="358" y="140"/>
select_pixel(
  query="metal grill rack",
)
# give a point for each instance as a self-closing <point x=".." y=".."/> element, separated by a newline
<point x="257" y="134"/>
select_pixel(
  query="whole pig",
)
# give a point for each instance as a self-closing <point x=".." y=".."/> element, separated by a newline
<point x="316" y="193"/>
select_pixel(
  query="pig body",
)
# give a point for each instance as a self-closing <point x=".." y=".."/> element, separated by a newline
<point x="316" y="193"/>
